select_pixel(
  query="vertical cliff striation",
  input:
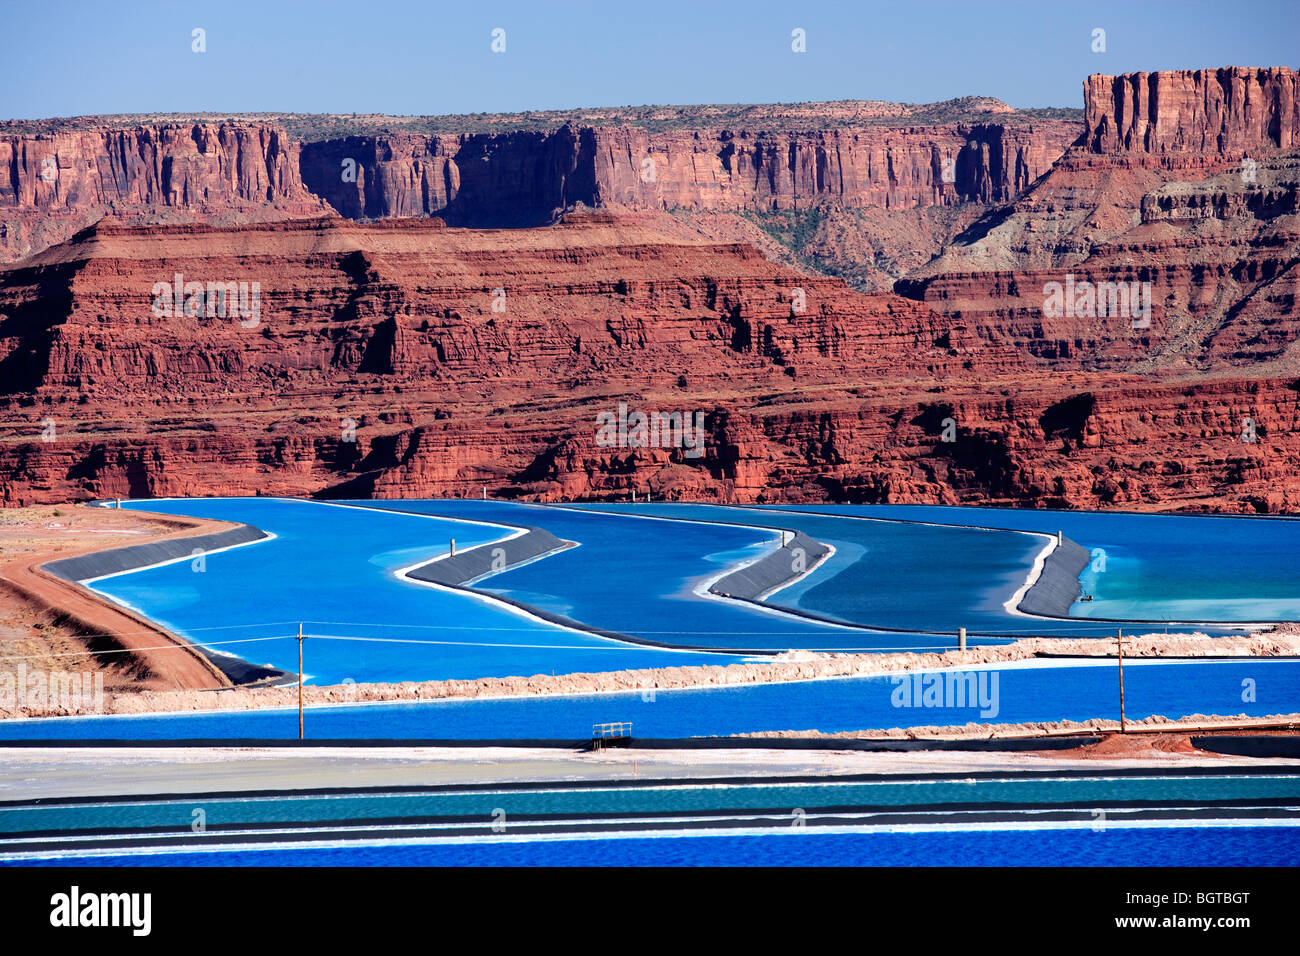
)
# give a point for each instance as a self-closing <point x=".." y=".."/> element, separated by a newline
<point x="1229" y="111"/>
<point x="523" y="177"/>
<point x="507" y="179"/>
<point x="53" y="185"/>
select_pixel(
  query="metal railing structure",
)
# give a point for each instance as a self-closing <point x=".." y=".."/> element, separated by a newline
<point x="603" y="734"/>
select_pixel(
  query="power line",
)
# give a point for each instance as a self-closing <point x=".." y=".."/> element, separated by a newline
<point x="620" y="646"/>
<point x="133" y="650"/>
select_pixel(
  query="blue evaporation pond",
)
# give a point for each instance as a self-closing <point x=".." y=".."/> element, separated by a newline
<point x="332" y="566"/>
<point x="895" y="574"/>
<point x="636" y="575"/>
<point x="1164" y="846"/>
<point x="1152" y="567"/>
<point x="1020" y="694"/>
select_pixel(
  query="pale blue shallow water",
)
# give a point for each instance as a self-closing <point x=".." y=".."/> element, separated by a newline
<point x="1173" y="846"/>
<point x="1172" y="689"/>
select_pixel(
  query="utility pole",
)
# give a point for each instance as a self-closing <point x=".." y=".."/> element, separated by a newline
<point x="300" y="640"/>
<point x="1120" y="642"/>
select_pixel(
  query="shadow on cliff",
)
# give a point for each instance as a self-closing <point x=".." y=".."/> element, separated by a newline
<point x="516" y="179"/>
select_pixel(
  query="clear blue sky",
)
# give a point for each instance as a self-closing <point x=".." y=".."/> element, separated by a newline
<point x="426" y="57"/>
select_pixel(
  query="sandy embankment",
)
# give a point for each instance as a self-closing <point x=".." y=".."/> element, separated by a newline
<point x="795" y="666"/>
<point x="1151" y="728"/>
<point x="56" y="626"/>
<point x="59" y="772"/>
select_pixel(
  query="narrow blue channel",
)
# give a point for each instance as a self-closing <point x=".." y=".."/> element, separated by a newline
<point x="1172" y="846"/>
<point x="1252" y="687"/>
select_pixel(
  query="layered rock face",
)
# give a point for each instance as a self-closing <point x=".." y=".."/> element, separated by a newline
<point x="1184" y="196"/>
<point x="1162" y="192"/>
<point x="59" y="182"/>
<point x="408" y="359"/>
<point x="865" y="167"/>
<point x="526" y="176"/>
<point x="884" y="198"/>
<point x="459" y="357"/>
<point x="55" y="185"/>
<point x="1229" y="112"/>
<point x="1121" y="333"/>
<point x="509" y="179"/>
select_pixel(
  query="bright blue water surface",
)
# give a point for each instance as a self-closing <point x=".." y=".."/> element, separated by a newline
<point x="910" y="576"/>
<point x="1169" y="689"/>
<point x="332" y="567"/>
<point x="636" y="575"/>
<point x="1173" y="846"/>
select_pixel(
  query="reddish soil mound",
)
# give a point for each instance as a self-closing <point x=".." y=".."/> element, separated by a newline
<point x="1119" y="746"/>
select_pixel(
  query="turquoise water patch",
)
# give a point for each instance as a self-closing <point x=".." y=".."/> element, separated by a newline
<point x="578" y="801"/>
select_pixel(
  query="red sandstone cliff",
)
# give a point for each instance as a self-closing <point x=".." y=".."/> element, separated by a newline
<point x="394" y="326"/>
<point x="484" y="180"/>
<point x="1228" y="112"/>
<point x="1187" y="180"/>
<point x="60" y="181"/>
<point x="55" y="185"/>
<point x="399" y="327"/>
<point x="809" y="391"/>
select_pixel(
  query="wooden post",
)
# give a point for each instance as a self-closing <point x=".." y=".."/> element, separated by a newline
<point x="961" y="638"/>
<point x="300" y="640"/>
<point x="453" y="547"/>
<point x="1120" y="641"/>
<point x="485" y="492"/>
